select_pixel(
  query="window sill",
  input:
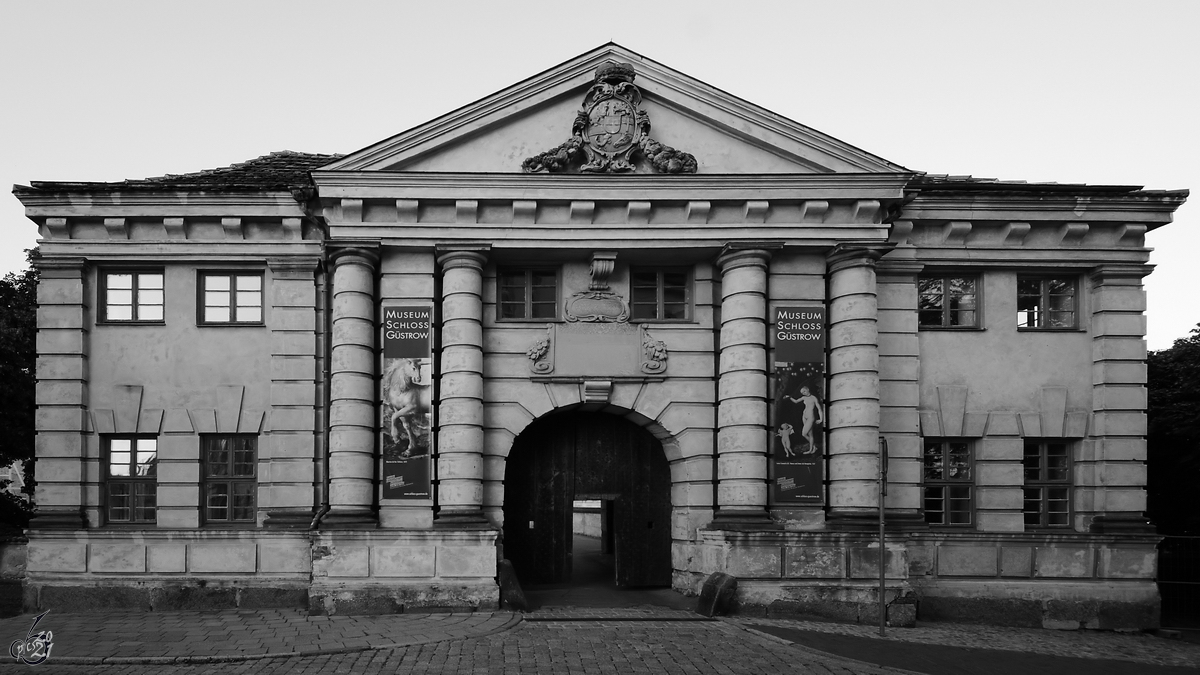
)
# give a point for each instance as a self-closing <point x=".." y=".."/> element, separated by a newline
<point x="960" y="329"/>
<point x="554" y="320"/>
<point x="231" y="324"/>
<point x="119" y="322"/>
<point x="1051" y="330"/>
<point x="676" y="322"/>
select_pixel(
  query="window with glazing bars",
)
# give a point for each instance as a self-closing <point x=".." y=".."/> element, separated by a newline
<point x="228" y="297"/>
<point x="1045" y="303"/>
<point x="1047" y="484"/>
<point x="132" y="296"/>
<point x="660" y="295"/>
<point x="528" y="294"/>
<point x="948" y="483"/>
<point x="947" y="301"/>
<point x="131" y="480"/>
<point x="230" y="478"/>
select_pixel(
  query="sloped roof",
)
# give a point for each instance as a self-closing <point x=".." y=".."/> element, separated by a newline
<point x="282" y="170"/>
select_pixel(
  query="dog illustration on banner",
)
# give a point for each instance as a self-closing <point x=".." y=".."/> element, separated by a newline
<point x="406" y="400"/>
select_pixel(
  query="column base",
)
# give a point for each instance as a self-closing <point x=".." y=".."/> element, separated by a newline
<point x="725" y="519"/>
<point x="1122" y="523"/>
<point x="288" y="520"/>
<point x="58" y="519"/>
<point x="471" y="519"/>
<point x="349" y="519"/>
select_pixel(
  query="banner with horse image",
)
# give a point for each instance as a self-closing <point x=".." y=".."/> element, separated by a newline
<point x="407" y="413"/>
<point x="798" y="438"/>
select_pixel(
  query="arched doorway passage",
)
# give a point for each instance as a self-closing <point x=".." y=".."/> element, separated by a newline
<point x="568" y="457"/>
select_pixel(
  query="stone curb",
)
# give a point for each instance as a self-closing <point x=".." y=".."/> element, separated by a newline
<point x="512" y="622"/>
<point x="826" y="656"/>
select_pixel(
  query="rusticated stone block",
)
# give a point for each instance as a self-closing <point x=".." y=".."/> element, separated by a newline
<point x="269" y="598"/>
<point x="996" y="611"/>
<point x="970" y="561"/>
<point x="75" y="599"/>
<point x="825" y="562"/>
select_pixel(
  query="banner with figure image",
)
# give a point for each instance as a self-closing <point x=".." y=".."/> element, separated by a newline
<point x="407" y="410"/>
<point x="798" y="434"/>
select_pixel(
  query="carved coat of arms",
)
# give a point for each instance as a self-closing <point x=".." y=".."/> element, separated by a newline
<point x="611" y="131"/>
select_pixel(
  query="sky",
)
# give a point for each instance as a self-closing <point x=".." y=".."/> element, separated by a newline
<point x="1075" y="92"/>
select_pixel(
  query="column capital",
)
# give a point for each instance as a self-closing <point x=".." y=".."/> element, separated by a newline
<point x="354" y="255"/>
<point x="845" y="256"/>
<point x="1119" y="274"/>
<point x="471" y="256"/>
<point x="746" y="253"/>
<point x="300" y="263"/>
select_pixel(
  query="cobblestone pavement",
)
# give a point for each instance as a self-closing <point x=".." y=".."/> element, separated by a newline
<point x="1135" y="647"/>
<point x="543" y="648"/>
<point x="608" y="641"/>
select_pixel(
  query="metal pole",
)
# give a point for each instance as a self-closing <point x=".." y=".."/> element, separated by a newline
<point x="883" y="470"/>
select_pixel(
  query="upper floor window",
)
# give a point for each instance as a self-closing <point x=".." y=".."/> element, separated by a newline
<point x="1047" y="484"/>
<point x="528" y="294"/>
<point x="229" y="297"/>
<point x="660" y="295"/>
<point x="947" y="301"/>
<point x="132" y="296"/>
<point x="1045" y="302"/>
<point x="131" y="479"/>
<point x="948" y="483"/>
<point x="230" y="478"/>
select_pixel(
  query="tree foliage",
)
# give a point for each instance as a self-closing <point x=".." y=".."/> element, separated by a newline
<point x="1173" y="381"/>
<point x="18" y="357"/>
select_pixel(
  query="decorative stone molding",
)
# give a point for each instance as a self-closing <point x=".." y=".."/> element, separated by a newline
<point x="540" y="355"/>
<point x="654" y="353"/>
<point x="597" y="304"/>
<point x="610" y="132"/>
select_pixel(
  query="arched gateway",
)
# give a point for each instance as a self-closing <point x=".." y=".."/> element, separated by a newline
<point x="578" y="455"/>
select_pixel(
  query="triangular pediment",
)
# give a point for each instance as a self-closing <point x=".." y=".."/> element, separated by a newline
<point x="725" y="134"/>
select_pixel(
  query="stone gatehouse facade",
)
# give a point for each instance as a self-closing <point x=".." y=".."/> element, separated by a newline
<point x="355" y="383"/>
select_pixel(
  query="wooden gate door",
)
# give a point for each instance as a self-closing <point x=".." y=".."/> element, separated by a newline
<point x="587" y="454"/>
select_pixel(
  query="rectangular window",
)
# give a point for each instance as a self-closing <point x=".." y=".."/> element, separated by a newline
<point x="229" y="297"/>
<point x="230" y="478"/>
<point x="948" y="483"/>
<point x="132" y="296"/>
<point x="659" y="295"/>
<point x="131" y="479"/>
<point x="1045" y="303"/>
<point x="528" y="294"/>
<point x="1047" y="484"/>
<point x="947" y="302"/>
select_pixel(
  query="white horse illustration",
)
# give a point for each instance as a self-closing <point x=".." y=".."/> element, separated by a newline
<point x="408" y="397"/>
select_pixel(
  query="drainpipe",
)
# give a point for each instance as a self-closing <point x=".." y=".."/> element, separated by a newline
<point x="324" y="292"/>
<point x="883" y="471"/>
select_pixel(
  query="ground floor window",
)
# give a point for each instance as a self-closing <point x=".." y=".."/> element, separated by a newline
<point x="948" y="483"/>
<point x="1047" y="484"/>
<point x="131" y="479"/>
<point x="230" y="478"/>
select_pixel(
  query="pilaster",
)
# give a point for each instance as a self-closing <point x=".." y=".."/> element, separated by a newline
<point x="296" y="328"/>
<point x="899" y="385"/>
<point x="62" y="385"/>
<point x="1116" y="447"/>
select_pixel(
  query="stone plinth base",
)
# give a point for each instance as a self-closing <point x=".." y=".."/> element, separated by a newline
<point x="1056" y="604"/>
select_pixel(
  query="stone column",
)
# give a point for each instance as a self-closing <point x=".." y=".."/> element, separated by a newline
<point x="1111" y="466"/>
<point x="853" y="387"/>
<point x="742" y="410"/>
<point x="352" y="399"/>
<point x="460" y="407"/>
<point x="62" y="384"/>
